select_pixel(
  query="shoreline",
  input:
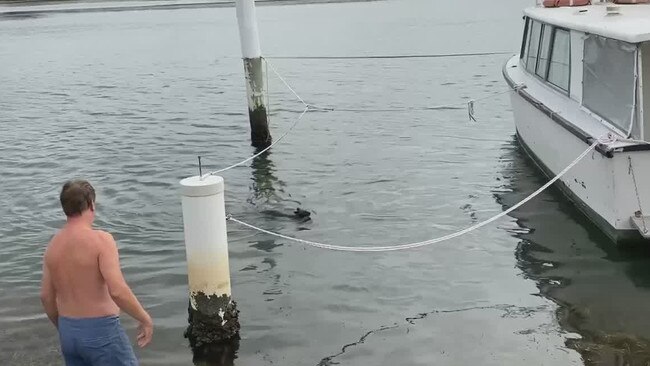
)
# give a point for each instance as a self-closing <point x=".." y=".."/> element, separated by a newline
<point x="20" y="9"/>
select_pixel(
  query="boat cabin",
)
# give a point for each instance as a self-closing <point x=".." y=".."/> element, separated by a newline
<point x="596" y="55"/>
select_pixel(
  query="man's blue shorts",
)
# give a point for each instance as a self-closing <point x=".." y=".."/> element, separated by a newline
<point x="95" y="342"/>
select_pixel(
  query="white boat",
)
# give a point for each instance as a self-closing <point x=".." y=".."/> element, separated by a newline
<point x="583" y="73"/>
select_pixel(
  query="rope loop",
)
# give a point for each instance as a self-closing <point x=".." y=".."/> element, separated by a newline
<point x="607" y="140"/>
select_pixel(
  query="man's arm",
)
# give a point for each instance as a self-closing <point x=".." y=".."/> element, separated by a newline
<point x="109" y="266"/>
<point x="48" y="296"/>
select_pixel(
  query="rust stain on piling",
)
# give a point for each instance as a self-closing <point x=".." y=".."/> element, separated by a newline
<point x="213" y="316"/>
<point x="209" y="276"/>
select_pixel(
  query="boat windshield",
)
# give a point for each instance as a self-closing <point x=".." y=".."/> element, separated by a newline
<point x="609" y="81"/>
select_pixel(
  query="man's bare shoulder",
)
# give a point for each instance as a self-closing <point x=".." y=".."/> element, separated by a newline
<point x="103" y="234"/>
<point x="48" y="249"/>
<point x="53" y="241"/>
<point x="106" y="239"/>
<point x="56" y="236"/>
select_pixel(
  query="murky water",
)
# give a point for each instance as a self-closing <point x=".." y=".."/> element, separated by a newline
<point x="129" y="99"/>
<point x="602" y="290"/>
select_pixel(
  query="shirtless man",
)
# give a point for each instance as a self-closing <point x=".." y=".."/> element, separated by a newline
<point x="83" y="288"/>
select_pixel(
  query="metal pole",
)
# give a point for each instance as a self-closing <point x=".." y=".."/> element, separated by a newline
<point x="255" y="80"/>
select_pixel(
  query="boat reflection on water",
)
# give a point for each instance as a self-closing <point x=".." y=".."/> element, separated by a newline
<point x="602" y="290"/>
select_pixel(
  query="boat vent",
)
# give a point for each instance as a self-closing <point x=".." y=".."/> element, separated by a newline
<point x="613" y="10"/>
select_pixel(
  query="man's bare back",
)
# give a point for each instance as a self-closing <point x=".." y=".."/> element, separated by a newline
<point x="72" y="258"/>
<point x="83" y="289"/>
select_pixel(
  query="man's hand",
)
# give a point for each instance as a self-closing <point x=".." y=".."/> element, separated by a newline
<point x="145" y="332"/>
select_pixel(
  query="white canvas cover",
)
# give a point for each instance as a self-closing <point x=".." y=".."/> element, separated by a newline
<point x="609" y="80"/>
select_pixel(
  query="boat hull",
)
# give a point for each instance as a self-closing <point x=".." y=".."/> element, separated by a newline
<point x="601" y="185"/>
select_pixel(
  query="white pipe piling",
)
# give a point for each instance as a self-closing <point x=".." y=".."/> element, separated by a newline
<point x="213" y="316"/>
<point x="254" y="71"/>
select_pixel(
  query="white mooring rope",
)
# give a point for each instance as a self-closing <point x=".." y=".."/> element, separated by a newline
<point x="285" y="82"/>
<point x="263" y="150"/>
<point x="316" y="107"/>
<point x="313" y="107"/>
<point x="605" y="141"/>
<point x="402" y="56"/>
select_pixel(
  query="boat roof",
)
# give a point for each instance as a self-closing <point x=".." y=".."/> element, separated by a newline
<point x="632" y="24"/>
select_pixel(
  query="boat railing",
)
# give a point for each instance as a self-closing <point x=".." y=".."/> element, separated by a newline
<point x="540" y="3"/>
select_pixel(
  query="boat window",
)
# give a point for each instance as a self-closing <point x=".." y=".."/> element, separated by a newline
<point x="559" y="71"/>
<point x="533" y="46"/>
<point x="645" y="74"/>
<point x="545" y="44"/>
<point x="608" y="79"/>
<point x="523" y="54"/>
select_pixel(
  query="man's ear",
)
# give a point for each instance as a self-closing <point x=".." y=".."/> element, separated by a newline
<point x="92" y="206"/>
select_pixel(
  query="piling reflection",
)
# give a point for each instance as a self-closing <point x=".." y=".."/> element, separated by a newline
<point x="221" y="354"/>
<point x="271" y="200"/>
<point x="265" y="187"/>
<point x="268" y="192"/>
<point x="603" y="291"/>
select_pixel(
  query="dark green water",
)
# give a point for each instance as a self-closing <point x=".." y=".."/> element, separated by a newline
<point x="602" y="290"/>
